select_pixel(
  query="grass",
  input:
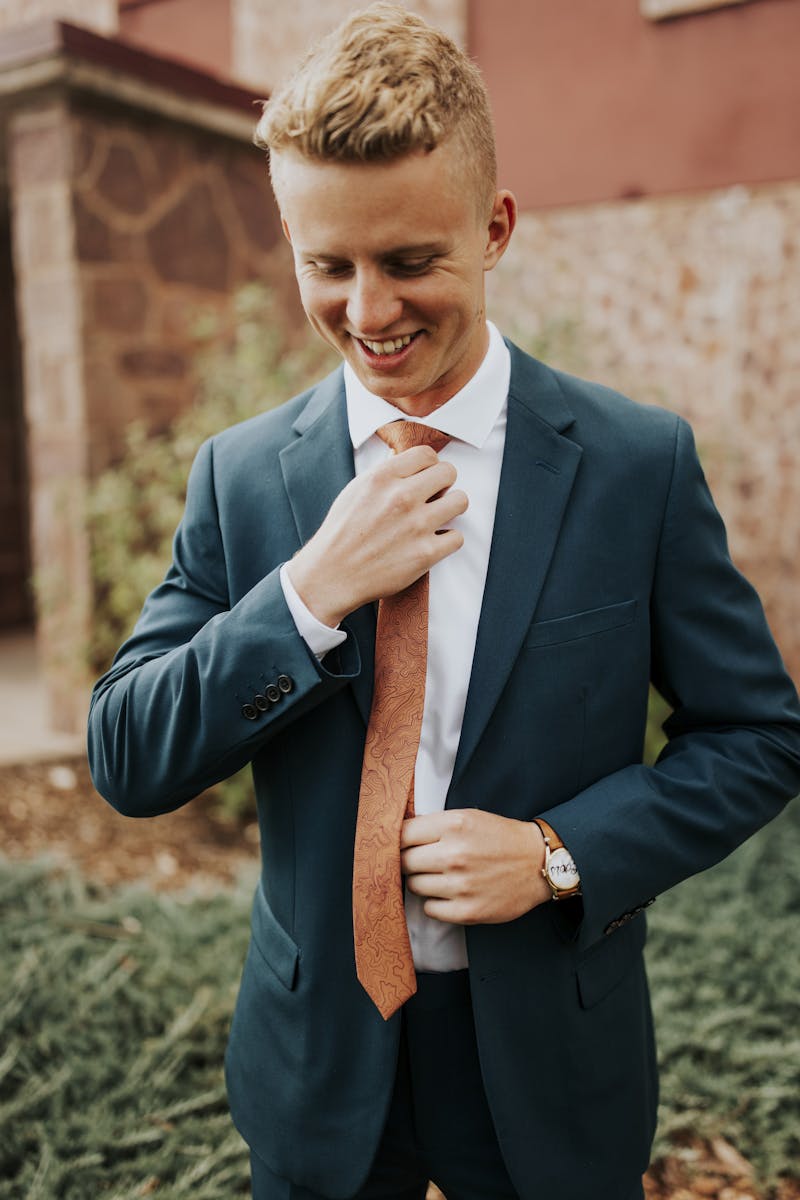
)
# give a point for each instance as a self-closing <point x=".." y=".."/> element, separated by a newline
<point x="113" y="1023"/>
<point x="724" y="964"/>
<point x="115" y="1006"/>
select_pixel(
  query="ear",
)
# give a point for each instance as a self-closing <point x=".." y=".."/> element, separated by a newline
<point x="501" y="225"/>
<point x="285" y="229"/>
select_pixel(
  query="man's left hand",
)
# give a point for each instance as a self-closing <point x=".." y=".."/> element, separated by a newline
<point x="473" y="867"/>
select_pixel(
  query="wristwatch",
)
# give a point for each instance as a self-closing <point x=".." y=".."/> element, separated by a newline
<point x="559" y="867"/>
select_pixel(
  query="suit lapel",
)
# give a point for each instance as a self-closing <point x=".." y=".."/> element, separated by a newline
<point x="316" y="466"/>
<point x="539" y="466"/>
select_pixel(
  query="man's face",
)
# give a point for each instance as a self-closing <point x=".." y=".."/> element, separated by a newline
<point x="390" y="260"/>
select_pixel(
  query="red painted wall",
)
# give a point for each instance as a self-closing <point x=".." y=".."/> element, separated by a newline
<point x="593" y="102"/>
<point x="197" y="31"/>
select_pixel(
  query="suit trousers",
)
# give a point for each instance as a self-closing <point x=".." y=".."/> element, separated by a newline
<point x="439" y="1127"/>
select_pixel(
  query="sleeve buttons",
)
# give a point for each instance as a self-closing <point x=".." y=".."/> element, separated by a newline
<point x="270" y="694"/>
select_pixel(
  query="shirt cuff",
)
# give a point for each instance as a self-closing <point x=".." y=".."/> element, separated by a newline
<point x="318" y="637"/>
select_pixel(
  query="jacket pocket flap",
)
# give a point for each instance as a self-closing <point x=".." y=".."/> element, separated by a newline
<point x="609" y="961"/>
<point x="582" y="624"/>
<point x="273" y="942"/>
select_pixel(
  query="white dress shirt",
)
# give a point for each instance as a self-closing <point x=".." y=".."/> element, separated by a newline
<point x="475" y="420"/>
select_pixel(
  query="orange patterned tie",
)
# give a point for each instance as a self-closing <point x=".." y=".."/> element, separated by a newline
<point x="384" y="963"/>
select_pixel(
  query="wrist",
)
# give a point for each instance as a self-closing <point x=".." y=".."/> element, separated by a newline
<point x="559" y="869"/>
<point x="317" y="592"/>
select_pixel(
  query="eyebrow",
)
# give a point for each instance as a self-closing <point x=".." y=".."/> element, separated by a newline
<point x="420" y="250"/>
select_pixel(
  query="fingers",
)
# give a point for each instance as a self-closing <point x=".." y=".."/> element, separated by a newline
<point x="421" y="831"/>
<point x="433" y="887"/>
<point x="411" y="462"/>
<point x="428" y="475"/>
<point x="425" y="480"/>
<point x="428" y="499"/>
<point x="470" y="866"/>
<point x="384" y="530"/>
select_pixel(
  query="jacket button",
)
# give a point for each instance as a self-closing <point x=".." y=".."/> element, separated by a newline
<point x="249" y="711"/>
<point x="261" y="702"/>
<point x="286" y="684"/>
<point x="272" y="692"/>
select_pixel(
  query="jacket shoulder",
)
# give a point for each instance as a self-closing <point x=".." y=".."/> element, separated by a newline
<point x="590" y="413"/>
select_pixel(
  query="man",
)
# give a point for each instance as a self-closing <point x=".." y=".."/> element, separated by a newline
<point x="537" y="562"/>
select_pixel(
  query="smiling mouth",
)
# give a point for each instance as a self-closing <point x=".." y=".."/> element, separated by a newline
<point x="391" y="346"/>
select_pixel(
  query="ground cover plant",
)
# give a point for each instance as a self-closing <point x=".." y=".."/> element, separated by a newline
<point x="115" y="1006"/>
<point x="113" y="1023"/>
<point x="724" y="972"/>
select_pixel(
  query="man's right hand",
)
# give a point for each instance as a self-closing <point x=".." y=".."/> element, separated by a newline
<point x="384" y="530"/>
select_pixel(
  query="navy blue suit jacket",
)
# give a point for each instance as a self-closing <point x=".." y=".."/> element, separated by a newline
<point x="608" y="569"/>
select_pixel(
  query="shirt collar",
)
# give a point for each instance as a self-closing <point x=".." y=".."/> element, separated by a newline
<point x="469" y="416"/>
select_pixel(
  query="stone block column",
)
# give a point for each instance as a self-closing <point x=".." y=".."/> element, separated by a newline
<point x="49" y="307"/>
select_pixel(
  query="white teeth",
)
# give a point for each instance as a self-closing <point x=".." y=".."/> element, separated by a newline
<point x="390" y="347"/>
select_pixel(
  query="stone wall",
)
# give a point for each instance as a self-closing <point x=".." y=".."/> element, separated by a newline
<point x="270" y="35"/>
<point x="691" y="302"/>
<point x="168" y="224"/>
<point x="100" y="15"/>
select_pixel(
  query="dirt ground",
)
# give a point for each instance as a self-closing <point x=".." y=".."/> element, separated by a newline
<point x="53" y="809"/>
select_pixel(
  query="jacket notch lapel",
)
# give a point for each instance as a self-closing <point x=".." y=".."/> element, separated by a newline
<point x="538" y="472"/>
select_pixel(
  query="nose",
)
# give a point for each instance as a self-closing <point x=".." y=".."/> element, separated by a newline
<point x="373" y="304"/>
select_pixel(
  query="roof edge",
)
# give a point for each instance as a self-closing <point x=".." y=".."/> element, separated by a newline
<point x="48" y="52"/>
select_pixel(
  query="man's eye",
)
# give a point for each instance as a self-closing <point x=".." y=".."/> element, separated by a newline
<point x="416" y="266"/>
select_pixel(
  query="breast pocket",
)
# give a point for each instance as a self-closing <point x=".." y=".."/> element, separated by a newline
<point x="579" y="625"/>
<point x="580" y="679"/>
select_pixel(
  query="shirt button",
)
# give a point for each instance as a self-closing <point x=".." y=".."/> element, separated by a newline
<point x="286" y="684"/>
<point x="272" y="692"/>
<point x="261" y="702"/>
<point x="249" y="711"/>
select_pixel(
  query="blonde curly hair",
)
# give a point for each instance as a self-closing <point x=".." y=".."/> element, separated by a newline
<point x="382" y="85"/>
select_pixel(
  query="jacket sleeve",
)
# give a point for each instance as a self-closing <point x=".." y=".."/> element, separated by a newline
<point x="732" y="759"/>
<point x="201" y="685"/>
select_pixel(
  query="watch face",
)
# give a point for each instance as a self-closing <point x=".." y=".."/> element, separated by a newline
<point x="561" y="870"/>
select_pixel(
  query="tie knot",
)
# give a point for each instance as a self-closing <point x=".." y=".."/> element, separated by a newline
<point x="402" y="435"/>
